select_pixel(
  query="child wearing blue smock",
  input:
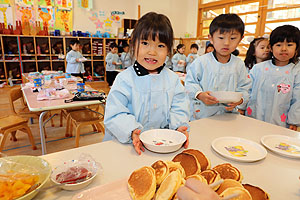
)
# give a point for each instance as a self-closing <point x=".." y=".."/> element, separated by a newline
<point x="147" y="95"/>
<point x="275" y="94"/>
<point x="74" y="65"/>
<point x="178" y="60"/>
<point x="125" y="56"/>
<point x="192" y="56"/>
<point x="218" y="70"/>
<point x="112" y="60"/>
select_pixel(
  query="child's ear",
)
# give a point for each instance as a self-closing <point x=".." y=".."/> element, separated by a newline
<point x="210" y="38"/>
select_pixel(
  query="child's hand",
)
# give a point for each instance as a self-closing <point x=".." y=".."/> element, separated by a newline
<point x="77" y="60"/>
<point x="183" y="129"/>
<point x="293" y="127"/>
<point x="231" y="106"/>
<point x="196" y="190"/>
<point x="206" y="98"/>
<point x="242" y="112"/>
<point x="138" y="146"/>
<point x="114" y="63"/>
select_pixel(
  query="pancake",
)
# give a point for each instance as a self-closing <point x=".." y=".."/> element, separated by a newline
<point x="256" y="192"/>
<point x="227" y="184"/>
<point x="202" y="159"/>
<point x="173" y="166"/>
<point x="244" y="194"/>
<point x="161" y="171"/>
<point x="211" y="176"/>
<point x="189" y="163"/>
<point x="198" y="177"/>
<point x="227" y="171"/>
<point x="142" y="184"/>
<point x="169" y="186"/>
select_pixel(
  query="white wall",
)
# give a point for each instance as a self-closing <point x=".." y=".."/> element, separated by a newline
<point x="182" y="14"/>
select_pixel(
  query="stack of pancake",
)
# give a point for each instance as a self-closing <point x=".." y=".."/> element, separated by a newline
<point x="163" y="178"/>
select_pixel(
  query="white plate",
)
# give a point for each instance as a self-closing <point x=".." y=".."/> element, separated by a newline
<point x="162" y="140"/>
<point x="283" y="145"/>
<point x="227" y="96"/>
<point x="239" y="149"/>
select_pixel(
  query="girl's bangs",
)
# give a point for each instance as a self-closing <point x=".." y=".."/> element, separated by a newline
<point x="151" y="34"/>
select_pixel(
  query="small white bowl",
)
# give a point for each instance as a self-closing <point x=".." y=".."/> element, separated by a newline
<point x="162" y="140"/>
<point x="227" y="96"/>
<point x="91" y="167"/>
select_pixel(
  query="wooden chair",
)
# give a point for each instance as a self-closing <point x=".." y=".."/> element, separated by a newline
<point x="81" y="118"/>
<point x="12" y="124"/>
<point x="23" y="110"/>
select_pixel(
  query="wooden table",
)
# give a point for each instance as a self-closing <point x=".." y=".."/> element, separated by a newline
<point x="276" y="174"/>
<point x="46" y="105"/>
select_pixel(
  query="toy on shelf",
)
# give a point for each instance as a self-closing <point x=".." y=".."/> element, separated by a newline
<point x="2" y="27"/>
<point x="44" y="31"/>
<point x="97" y="48"/>
<point x="26" y="28"/>
<point x="106" y="35"/>
<point x="57" y="48"/>
<point x="86" y="48"/>
<point x="98" y="34"/>
<point x="9" y="30"/>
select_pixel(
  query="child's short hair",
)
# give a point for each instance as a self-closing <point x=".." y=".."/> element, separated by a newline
<point x="73" y="42"/>
<point x="227" y="23"/>
<point x="250" y="59"/>
<point x="290" y="34"/>
<point x="153" y="25"/>
<point x="113" y="45"/>
<point x="124" y="45"/>
<point x="179" y="46"/>
<point x="194" y="46"/>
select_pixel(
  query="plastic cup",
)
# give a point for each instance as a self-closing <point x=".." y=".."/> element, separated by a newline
<point x="80" y="87"/>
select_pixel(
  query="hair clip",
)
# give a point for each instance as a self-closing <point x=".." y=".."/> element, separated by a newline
<point x="266" y="36"/>
<point x="250" y="39"/>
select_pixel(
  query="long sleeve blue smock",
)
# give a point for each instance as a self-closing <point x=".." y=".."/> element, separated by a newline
<point x="126" y="60"/>
<point x="190" y="59"/>
<point x="275" y="94"/>
<point x="110" y="58"/>
<point x="72" y="65"/>
<point x="175" y="59"/>
<point x="207" y="74"/>
<point x="144" y="102"/>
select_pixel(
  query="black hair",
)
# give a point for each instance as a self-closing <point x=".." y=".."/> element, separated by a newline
<point x="227" y="23"/>
<point x="236" y="52"/>
<point x="250" y="59"/>
<point x="290" y="34"/>
<point x="209" y="45"/>
<point x="179" y="46"/>
<point x="73" y="42"/>
<point x="113" y="45"/>
<point x="124" y="45"/>
<point x="150" y="26"/>
<point x="194" y="46"/>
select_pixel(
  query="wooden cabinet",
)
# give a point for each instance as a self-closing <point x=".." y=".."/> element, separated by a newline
<point x="22" y="54"/>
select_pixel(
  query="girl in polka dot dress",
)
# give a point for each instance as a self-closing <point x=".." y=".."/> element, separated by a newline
<point x="275" y="94"/>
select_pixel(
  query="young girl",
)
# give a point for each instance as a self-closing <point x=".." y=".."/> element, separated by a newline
<point x="192" y="56"/>
<point x="275" y="96"/>
<point x="125" y="56"/>
<point x="179" y="58"/>
<point x="147" y="95"/>
<point x="259" y="50"/>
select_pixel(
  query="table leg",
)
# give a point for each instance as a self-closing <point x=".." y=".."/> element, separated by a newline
<point x="42" y="134"/>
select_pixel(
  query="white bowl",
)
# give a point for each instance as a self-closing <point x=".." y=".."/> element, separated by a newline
<point x="27" y="164"/>
<point x="91" y="167"/>
<point x="162" y="140"/>
<point x="227" y="96"/>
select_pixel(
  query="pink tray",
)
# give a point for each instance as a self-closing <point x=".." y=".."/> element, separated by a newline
<point x="112" y="191"/>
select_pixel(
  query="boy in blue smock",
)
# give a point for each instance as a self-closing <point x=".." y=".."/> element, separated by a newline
<point x="112" y="61"/>
<point x="74" y="65"/>
<point x="192" y="56"/>
<point x="147" y="95"/>
<point x="125" y="56"/>
<point x="218" y="70"/>
<point x="179" y="58"/>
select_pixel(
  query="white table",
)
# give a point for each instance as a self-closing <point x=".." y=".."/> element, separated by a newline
<point x="46" y="105"/>
<point x="277" y="175"/>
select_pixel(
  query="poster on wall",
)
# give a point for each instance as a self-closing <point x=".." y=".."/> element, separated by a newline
<point x="46" y="3"/>
<point x="5" y="2"/>
<point x="87" y="4"/>
<point x="63" y="3"/>
<point x="6" y="15"/>
<point x="25" y="14"/>
<point x="63" y="20"/>
<point x="47" y="17"/>
<point x="24" y="2"/>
